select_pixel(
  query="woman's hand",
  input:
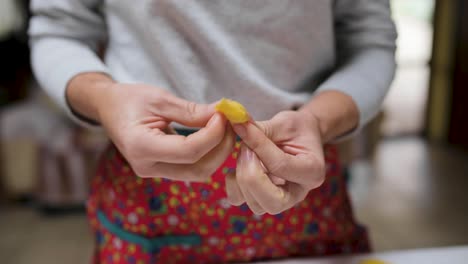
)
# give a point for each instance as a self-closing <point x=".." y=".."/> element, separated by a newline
<point x="136" y="117"/>
<point x="289" y="147"/>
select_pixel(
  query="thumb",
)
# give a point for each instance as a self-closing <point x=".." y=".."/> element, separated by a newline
<point x="258" y="142"/>
<point x="267" y="128"/>
<point x="186" y="112"/>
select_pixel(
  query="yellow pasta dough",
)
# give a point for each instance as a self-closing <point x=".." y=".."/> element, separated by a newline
<point x="234" y="111"/>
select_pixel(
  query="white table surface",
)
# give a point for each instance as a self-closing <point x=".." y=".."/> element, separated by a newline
<point x="446" y="255"/>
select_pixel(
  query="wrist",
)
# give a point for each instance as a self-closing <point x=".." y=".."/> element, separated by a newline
<point x="86" y="94"/>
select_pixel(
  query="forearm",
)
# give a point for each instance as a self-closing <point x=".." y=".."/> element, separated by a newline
<point x="335" y="111"/>
<point x="85" y="93"/>
<point x="64" y="36"/>
<point x="365" y="63"/>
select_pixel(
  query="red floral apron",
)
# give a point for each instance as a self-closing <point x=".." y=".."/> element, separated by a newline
<point x="157" y="220"/>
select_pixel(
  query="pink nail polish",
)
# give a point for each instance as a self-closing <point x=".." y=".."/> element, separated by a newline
<point x="249" y="155"/>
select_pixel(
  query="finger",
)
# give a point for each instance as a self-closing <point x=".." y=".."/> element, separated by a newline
<point x="233" y="192"/>
<point x="281" y="129"/>
<point x="272" y="198"/>
<point x="304" y="169"/>
<point x="304" y="149"/>
<point x="277" y="180"/>
<point x="178" y="149"/>
<point x="184" y="112"/>
<point x="276" y="199"/>
<point x="244" y="172"/>
<point x="199" y="171"/>
<point x="272" y="157"/>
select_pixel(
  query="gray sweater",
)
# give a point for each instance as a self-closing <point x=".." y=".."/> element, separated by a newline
<point x="269" y="55"/>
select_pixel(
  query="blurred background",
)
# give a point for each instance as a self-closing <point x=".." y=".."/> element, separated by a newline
<point x="408" y="169"/>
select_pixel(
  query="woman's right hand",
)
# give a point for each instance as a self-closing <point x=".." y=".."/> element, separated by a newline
<point x="137" y="117"/>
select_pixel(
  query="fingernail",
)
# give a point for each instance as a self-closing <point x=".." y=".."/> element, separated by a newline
<point x="242" y="156"/>
<point x="240" y="130"/>
<point x="249" y="154"/>
<point x="213" y="119"/>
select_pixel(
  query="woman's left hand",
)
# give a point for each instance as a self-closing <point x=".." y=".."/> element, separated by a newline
<point x="288" y="147"/>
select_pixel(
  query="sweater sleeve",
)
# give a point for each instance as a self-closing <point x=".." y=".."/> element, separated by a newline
<point x="365" y="45"/>
<point x="64" y="37"/>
